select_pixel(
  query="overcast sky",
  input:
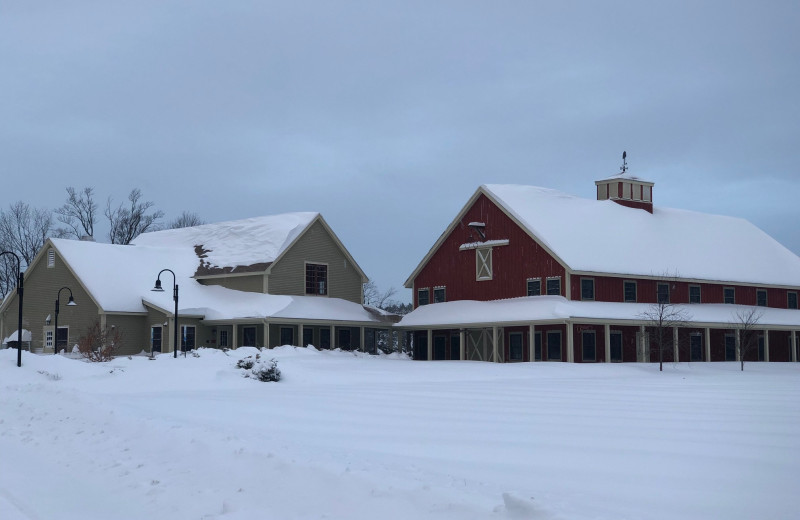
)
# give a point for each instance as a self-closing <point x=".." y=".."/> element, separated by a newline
<point x="386" y="118"/>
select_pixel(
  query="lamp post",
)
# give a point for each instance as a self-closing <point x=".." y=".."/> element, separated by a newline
<point x="158" y="288"/>
<point x="71" y="302"/>
<point x="20" y="283"/>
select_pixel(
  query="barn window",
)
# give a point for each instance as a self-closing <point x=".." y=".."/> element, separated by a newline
<point x="439" y="295"/>
<point x="662" y="293"/>
<point x="317" y="279"/>
<point x="694" y="294"/>
<point x="423" y="297"/>
<point x="761" y="298"/>
<point x="483" y="263"/>
<point x="587" y="288"/>
<point x="534" y="286"/>
<point x="629" y="290"/>
<point x="791" y="300"/>
<point x="51" y="258"/>
<point x="554" y="286"/>
<point x="729" y="295"/>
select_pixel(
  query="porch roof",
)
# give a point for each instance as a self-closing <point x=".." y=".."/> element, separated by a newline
<point x="532" y="309"/>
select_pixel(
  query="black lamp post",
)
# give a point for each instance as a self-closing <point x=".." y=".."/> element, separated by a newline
<point x="158" y="288"/>
<point x="71" y="302"/>
<point x="20" y="283"/>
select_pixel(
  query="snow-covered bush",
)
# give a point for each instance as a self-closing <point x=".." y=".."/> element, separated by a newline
<point x="257" y="368"/>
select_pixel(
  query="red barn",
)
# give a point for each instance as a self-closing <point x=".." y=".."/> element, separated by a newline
<point x="525" y="274"/>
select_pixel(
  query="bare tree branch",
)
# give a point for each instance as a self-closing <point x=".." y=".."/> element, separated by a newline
<point x="126" y="223"/>
<point x="23" y="230"/>
<point x="662" y="319"/>
<point x="745" y="322"/>
<point x="187" y="219"/>
<point x="375" y="298"/>
<point x="77" y="214"/>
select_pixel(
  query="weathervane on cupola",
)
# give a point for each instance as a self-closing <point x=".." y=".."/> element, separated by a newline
<point x="624" y="167"/>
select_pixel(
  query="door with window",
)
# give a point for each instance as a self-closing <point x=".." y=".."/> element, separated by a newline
<point x="439" y="347"/>
<point x="696" y="347"/>
<point x="554" y="345"/>
<point x="730" y="347"/>
<point x="308" y="336"/>
<point x="62" y="339"/>
<point x="249" y="337"/>
<point x="515" y="346"/>
<point x="155" y="339"/>
<point x="187" y="337"/>
<point x="616" y="347"/>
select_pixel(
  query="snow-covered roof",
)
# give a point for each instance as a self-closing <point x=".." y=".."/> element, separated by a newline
<point x="627" y="176"/>
<point x="26" y="336"/>
<point x="237" y="243"/>
<point x="557" y="308"/>
<point x="606" y="237"/>
<point x="121" y="278"/>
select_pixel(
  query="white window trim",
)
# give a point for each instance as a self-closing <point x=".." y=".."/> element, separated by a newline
<point x="483" y="264"/>
<point x="635" y="287"/>
<point x="699" y="288"/>
<point x="766" y="297"/>
<point x="796" y="301"/>
<point x="539" y="279"/>
<point x="227" y="338"/>
<point x="593" y="289"/>
<point x="669" y="292"/>
<point x="734" y="295"/>
<point x="428" y="289"/>
<point x="547" y="292"/>
<point x="439" y="288"/>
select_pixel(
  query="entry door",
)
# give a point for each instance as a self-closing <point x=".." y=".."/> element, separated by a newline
<point x="62" y="338"/>
<point x="730" y="348"/>
<point x="515" y="346"/>
<point x="616" y="347"/>
<point x="248" y="336"/>
<point x="421" y="347"/>
<point x="554" y="346"/>
<point x="155" y="339"/>
<point x="187" y="337"/>
<point x="439" y="348"/>
<point x="696" y="347"/>
<point x="308" y="336"/>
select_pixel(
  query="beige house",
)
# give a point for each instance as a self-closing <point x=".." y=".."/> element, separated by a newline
<point x="266" y="281"/>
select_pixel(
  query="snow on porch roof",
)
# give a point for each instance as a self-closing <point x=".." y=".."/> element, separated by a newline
<point x="465" y="313"/>
<point x="605" y="237"/>
<point x="258" y="240"/>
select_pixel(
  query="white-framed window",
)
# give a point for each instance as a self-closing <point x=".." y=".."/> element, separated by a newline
<point x="187" y="337"/>
<point x="423" y="297"/>
<point x="587" y="289"/>
<point x="662" y="293"/>
<point x="694" y="294"/>
<point x="729" y="295"/>
<point x="48" y="337"/>
<point x="51" y="257"/>
<point x="534" y="286"/>
<point x="223" y="338"/>
<point x="791" y="300"/>
<point x="483" y="263"/>
<point x="629" y="291"/>
<point x="761" y="297"/>
<point x="554" y="286"/>
<point x="439" y="295"/>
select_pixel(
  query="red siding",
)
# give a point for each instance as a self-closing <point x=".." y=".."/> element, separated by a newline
<point x="512" y="265"/>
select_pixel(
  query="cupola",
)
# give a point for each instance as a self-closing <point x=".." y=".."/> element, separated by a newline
<point x="626" y="189"/>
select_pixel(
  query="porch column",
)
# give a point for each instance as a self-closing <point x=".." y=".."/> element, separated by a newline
<point x="430" y="344"/>
<point x="738" y="344"/>
<point x="675" y="344"/>
<point x="766" y="345"/>
<point x="494" y="345"/>
<point x="607" y="339"/>
<point x="532" y="342"/>
<point x="300" y="335"/>
<point x="641" y="354"/>
<point x="361" y="330"/>
<point x="794" y="347"/>
<point x="570" y="344"/>
<point x="461" y="337"/>
<point x="708" y="344"/>
<point x="266" y="335"/>
<point x="235" y="336"/>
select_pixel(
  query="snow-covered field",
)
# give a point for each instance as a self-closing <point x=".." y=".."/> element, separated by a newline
<point x="364" y="437"/>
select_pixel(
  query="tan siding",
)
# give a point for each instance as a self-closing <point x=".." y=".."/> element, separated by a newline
<point x="254" y="283"/>
<point x="41" y="287"/>
<point x="135" y="331"/>
<point x="316" y="246"/>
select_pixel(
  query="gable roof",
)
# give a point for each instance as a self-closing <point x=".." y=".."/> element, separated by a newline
<point x="245" y="245"/>
<point x="604" y="237"/>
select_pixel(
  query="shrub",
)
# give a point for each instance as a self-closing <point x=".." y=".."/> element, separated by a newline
<point x="267" y="371"/>
<point x="99" y="343"/>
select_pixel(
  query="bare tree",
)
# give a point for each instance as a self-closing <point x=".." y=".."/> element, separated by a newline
<point x="375" y="298"/>
<point x="745" y="322"/>
<point x="128" y="222"/>
<point x="23" y="230"/>
<point x="187" y="219"/>
<point x="662" y="318"/>
<point x="78" y="214"/>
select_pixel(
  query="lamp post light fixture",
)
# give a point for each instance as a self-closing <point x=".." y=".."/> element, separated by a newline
<point x="20" y="283"/>
<point x="158" y="288"/>
<point x="72" y="303"/>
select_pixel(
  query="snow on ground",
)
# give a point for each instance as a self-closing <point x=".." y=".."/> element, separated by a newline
<point x="364" y="437"/>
